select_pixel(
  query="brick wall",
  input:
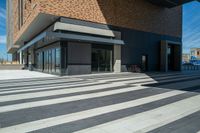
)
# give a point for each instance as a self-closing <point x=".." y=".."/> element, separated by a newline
<point x="31" y="10"/>
<point x="135" y="14"/>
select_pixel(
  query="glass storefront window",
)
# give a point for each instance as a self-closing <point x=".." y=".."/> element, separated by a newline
<point x="46" y="61"/>
<point x="101" y="60"/>
<point x="58" y="60"/>
<point x="49" y="60"/>
<point x="53" y="60"/>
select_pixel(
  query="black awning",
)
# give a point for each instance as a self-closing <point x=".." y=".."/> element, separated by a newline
<point x="71" y="37"/>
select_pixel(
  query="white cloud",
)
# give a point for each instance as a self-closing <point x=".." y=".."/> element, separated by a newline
<point x="2" y="13"/>
<point x="2" y="39"/>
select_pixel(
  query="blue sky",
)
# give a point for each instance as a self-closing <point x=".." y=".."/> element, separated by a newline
<point x="191" y="27"/>
<point x="3" y="29"/>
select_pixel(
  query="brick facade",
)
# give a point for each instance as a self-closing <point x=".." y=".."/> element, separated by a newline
<point x="135" y="14"/>
<point x="31" y="10"/>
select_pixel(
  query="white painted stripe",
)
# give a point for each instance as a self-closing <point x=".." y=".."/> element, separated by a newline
<point x="163" y="81"/>
<point x="152" y="119"/>
<point x="39" y="82"/>
<point x="139" y="78"/>
<point x="56" y="92"/>
<point x="127" y="78"/>
<point x="62" y="85"/>
<point x="134" y="77"/>
<point x="9" y="90"/>
<point x="36" y="79"/>
<point x="66" y="99"/>
<point x="53" y="121"/>
<point x="41" y="87"/>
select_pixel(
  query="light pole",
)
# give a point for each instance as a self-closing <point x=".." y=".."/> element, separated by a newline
<point x="1" y="58"/>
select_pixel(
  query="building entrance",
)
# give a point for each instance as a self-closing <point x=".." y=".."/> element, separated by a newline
<point x="101" y="60"/>
<point x="170" y="57"/>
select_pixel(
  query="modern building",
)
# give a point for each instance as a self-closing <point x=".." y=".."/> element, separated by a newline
<point x="84" y="36"/>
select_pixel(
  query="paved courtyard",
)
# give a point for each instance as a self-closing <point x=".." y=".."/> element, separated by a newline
<point x="100" y="103"/>
<point x="21" y="74"/>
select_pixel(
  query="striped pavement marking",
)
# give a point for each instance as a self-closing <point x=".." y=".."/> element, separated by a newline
<point x="156" y="106"/>
<point x="144" y="78"/>
<point x="20" y="84"/>
<point x="164" y="81"/>
<point x="150" y="120"/>
<point x="37" y="87"/>
<point x="66" y="99"/>
<point x="69" y="85"/>
<point x="56" y="92"/>
<point x="180" y="85"/>
<point x="44" y="123"/>
<point x="188" y="124"/>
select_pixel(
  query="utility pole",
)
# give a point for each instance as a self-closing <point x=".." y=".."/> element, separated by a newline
<point x="7" y="57"/>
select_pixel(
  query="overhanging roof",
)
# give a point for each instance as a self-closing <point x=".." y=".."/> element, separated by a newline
<point x="170" y="3"/>
<point x="40" y="22"/>
<point x="71" y="37"/>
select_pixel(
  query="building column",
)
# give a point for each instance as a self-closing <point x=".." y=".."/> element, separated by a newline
<point x="20" y="57"/>
<point x="32" y="57"/>
<point x="117" y="58"/>
<point x="177" y="57"/>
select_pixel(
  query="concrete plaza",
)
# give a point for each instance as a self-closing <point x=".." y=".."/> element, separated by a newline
<point x="100" y="103"/>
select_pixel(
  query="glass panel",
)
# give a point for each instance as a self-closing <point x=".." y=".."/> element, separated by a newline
<point x="45" y="61"/>
<point x="101" y="60"/>
<point x="95" y="59"/>
<point x="37" y="61"/>
<point x="169" y="52"/>
<point x="53" y="60"/>
<point x="144" y="62"/>
<point x="57" y="60"/>
<point x="42" y="61"/>
<point x="50" y="61"/>
<point x="108" y="60"/>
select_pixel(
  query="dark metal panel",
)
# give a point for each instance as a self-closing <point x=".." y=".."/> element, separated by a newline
<point x="140" y="43"/>
<point x="85" y="38"/>
<point x="71" y="37"/>
<point x="170" y="3"/>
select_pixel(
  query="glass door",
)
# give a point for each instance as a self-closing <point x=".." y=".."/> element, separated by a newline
<point x="170" y="57"/>
<point x="144" y="62"/>
<point x="101" y="60"/>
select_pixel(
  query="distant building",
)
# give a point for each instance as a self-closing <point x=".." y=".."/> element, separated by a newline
<point x="186" y="58"/>
<point x="195" y="53"/>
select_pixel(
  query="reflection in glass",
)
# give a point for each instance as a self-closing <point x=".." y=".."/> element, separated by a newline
<point x="101" y="60"/>
<point x="53" y="60"/>
<point x="49" y="60"/>
<point x="57" y="60"/>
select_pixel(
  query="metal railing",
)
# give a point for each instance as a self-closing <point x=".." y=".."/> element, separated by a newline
<point x="190" y="67"/>
<point x="134" y="68"/>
